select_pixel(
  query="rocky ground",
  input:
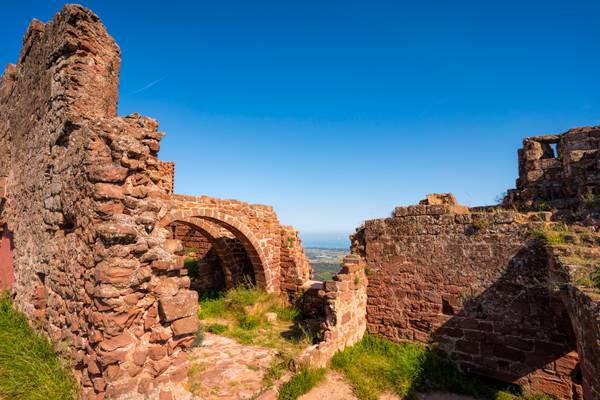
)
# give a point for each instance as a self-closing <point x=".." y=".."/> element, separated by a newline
<point x="226" y="370"/>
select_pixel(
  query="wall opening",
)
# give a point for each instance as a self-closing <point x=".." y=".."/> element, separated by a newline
<point x="7" y="273"/>
<point x="215" y="259"/>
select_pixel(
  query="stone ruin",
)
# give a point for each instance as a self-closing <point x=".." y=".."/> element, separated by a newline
<point x="485" y="291"/>
<point x="93" y="239"/>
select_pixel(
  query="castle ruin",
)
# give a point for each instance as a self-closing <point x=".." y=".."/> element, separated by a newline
<point x="92" y="244"/>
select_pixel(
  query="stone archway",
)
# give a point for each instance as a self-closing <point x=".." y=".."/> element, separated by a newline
<point x="201" y="218"/>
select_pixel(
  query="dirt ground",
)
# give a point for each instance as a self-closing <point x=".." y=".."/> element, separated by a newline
<point x="334" y="387"/>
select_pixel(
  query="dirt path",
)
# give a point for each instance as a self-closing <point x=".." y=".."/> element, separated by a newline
<point x="226" y="370"/>
<point x="335" y="387"/>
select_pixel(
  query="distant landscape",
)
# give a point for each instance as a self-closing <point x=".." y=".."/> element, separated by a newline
<point x="325" y="261"/>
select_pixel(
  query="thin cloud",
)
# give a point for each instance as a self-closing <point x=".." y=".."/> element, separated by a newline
<point x="149" y="85"/>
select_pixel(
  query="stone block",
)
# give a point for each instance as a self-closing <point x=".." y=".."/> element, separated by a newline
<point x="183" y="304"/>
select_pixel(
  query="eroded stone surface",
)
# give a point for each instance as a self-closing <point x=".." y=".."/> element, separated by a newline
<point x="225" y="369"/>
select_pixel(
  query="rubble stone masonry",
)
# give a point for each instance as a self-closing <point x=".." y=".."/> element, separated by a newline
<point x="93" y="244"/>
<point x="86" y="212"/>
<point x="474" y="283"/>
<point x="558" y="171"/>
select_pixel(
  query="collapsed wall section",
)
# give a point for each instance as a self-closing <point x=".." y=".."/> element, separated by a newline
<point x="558" y="171"/>
<point x="475" y="284"/>
<point x="344" y="300"/>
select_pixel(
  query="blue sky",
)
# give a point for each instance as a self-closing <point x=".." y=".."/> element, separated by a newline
<point x="337" y="111"/>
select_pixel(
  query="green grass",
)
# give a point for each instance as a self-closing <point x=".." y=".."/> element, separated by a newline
<point x="374" y="366"/>
<point x="301" y="383"/>
<point x="240" y="313"/>
<point x="549" y="236"/>
<point x="29" y="366"/>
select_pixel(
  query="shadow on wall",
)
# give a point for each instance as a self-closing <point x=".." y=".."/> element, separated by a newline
<point x="517" y="330"/>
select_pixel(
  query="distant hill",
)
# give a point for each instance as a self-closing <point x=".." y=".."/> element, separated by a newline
<point x="325" y="262"/>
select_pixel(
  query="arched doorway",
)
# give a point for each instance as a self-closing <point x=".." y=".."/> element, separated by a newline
<point x="215" y="258"/>
<point x="225" y="246"/>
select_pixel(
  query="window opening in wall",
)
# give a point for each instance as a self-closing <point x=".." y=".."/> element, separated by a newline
<point x="554" y="147"/>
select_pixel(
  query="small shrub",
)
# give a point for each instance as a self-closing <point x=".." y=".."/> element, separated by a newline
<point x="368" y="270"/>
<point x="281" y="364"/>
<point x="301" y="383"/>
<point x="479" y="224"/>
<point x="248" y="322"/>
<point x="217" y="329"/>
<point x="199" y="338"/>
<point x="210" y="308"/>
<point x="589" y="200"/>
<point x="356" y="280"/>
<point x="543" y="206"/>
<point x="286" y="313"/>
<point x="191" y="266"/>
<point x="555" y="235"/>
<point x="242" y="336"/>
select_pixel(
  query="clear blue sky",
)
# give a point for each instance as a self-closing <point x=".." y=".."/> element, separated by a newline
<point x="337" y="111"/>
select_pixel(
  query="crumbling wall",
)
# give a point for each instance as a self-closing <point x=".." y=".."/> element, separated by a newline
<point x="166" y="176"/>
<point x="345" y="302"/>
<point x="82" y="202"/>
<point x="259" y="233"/>
<point x="558" y="171"/>
<point x="474" y="283"/>
<point x="567" y="263"/>
<point x="295" y="266"/>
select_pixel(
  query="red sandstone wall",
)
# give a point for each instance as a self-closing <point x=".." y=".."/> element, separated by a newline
<point x="166" y="179"/>
<point x="475" y="285"/>
<point x="558" y="178"/>
<point x="583" y="306"/>
<point x="83" y="204"/>
<point x="7" y="274"/>
<point x="295" y="266"/>
<point x="344" y="302"/>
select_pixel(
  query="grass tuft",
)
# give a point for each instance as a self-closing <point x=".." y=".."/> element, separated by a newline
<point x="301" y="383"/>
<point x="374" y="366"/>
<point x="240" y="313"/>
<point x="29" y="366"/>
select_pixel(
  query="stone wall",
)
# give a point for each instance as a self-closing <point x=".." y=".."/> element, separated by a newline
<point x="166" y="170"/>
<point x="345" y="302"/>
<point x="474" y="283"/>
<point x="558" y="171"/>
<point x="567" y="263"/>
<point x="274" y="250"/>
<point x="82" y="202"/>
<point x="295" y="266"/>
